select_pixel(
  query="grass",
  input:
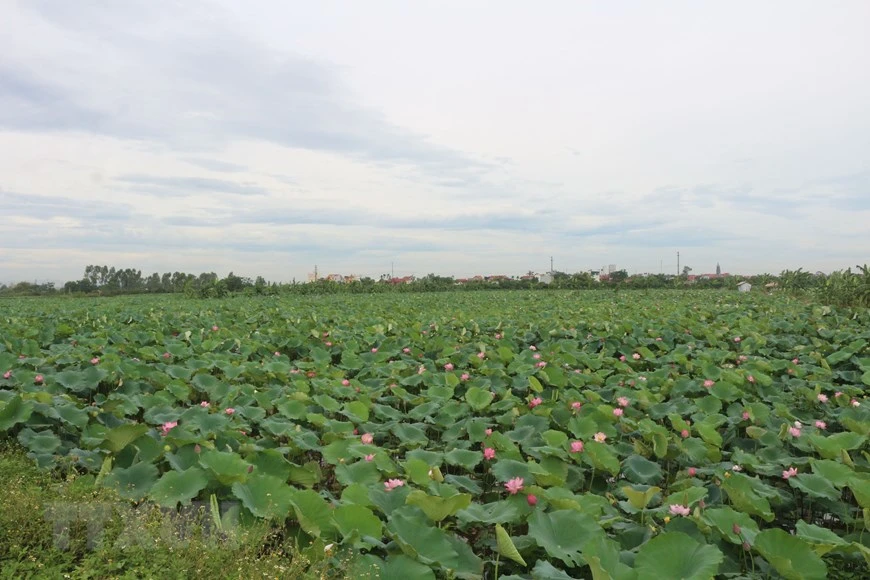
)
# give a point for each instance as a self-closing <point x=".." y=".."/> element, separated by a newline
<point x="143" y="543"/>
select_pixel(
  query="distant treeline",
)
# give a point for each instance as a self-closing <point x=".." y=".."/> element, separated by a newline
<point x="844" y="287"/>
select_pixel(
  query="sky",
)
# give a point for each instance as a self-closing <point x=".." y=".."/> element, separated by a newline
<point x="455" y="138"/>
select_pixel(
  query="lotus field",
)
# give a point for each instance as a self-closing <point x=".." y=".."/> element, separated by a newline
<point x="520" y="434"/>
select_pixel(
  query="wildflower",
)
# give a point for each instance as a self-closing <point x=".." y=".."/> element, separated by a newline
<point x="750" y="378"/>
<point x="623" y="401"/>
<point x="95" y="360"/>
<point x="229" y="411"/>
<point x="823" y="398"/>
<point x="535" y="402"/>
<point x="790" y="472"/>
<point x="600" y="437"/>
<point x="367" y="438"/>
<point x="692" y="472"/>
<point x="345" y="383"/>
<point x="576" y="446"/>
<point x="448" y="367"/>
<point x="684" y="433"/>
<point x="370" y="456"/>
<point x="489" y="453"/>
<point x="514" y="485"/>
<point x="532" y="499"/>
<point x="617" y="412"/>
<point x="821" y="425"/>
<point x="38" y="379"/>
<point x="392" y="484"/>
<point x="168" y="426"/>
<point x="679" y="510"/>
<point x="794" y="431"/>
<point x="488" y="432"/>
<point x="576" y="406"/>
<point x="636" y="356"/>
<point x="708" y="383"/>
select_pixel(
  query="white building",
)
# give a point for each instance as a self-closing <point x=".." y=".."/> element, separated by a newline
<point x="744" y="286"/>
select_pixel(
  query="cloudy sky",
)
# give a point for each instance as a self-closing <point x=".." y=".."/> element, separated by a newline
<point x="450" y="137"/>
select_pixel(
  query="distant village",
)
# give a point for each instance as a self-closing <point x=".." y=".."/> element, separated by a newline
<point x="599" y="275"/>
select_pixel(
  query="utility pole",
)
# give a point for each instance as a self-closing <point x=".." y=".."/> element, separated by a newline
<point x="678" y="263"/>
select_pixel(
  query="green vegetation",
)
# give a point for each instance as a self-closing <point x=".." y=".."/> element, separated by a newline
<point x="513" y="434"/>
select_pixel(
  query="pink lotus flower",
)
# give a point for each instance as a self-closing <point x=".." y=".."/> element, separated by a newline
<point x="277" y="353"/>
<point x="535" y="402"/>
<point x="736" y="468"/>
<point x="737" y="339"/>
<point x="795" y="360"/>
<point x="750" y="378"/>
<point x="532" y="500"/>
<point x="7" y="374"/>
<point x="406" y="350"/>
<point x="197" y="449"/>
<point x="345" y="383"/>
<point x="576" y="405"/>
<point x="95" y="360"/>
<point x="855" y="403"/>
<point x="679" y="510"/>
<point x="617" y="412"/>
<point x="38" y="379"/>
<point x="746" y="416"/>
<point x="205" y="404"/>
<point x="370" y="457"/>
<point x="392" y="484"/>
<point x="488" y="453"/>
<point x="536" y="356"/>
<point x="636" y="356"/>
<point x="448" y="367"/>
<point x="514" y="485"/>
<point x="838" y="394"/>
<point x="214" y="328"/>
<point x="374" y="349"/>
<point x="684" y="433"/>
<point x="790" y="472"/>
<point x="229" y="411"/>
<point x="541" y="364"/>
<point x="498" y="336"/>
<point x="743" y="358"/>
<point x="481" y="355"/>
<point x="533" y="347"/>
<point x="600" y="437"/>
<point x="708" y="383"/>
<point x="367" y="438"/>
<point x="794" y="431"/>
<point x="576" y="447"/>
<point x="658" y="339"/>
<point x="692" y="472"/>
<point x="328" y="343"/>
<point x="488" y="432"/>
<point x="823" y="398"/>
<point x="168" y="426"/>
<point x="641" y="378"/>
<point x="421" y="370"/>
<point x="464" y="377"/>
<point x="622" y="357"/>
<point x="821" y="425"/>
<point x="623" y="401"/>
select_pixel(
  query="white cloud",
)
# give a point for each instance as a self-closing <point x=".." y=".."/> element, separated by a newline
<point x="457" y="139"/>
